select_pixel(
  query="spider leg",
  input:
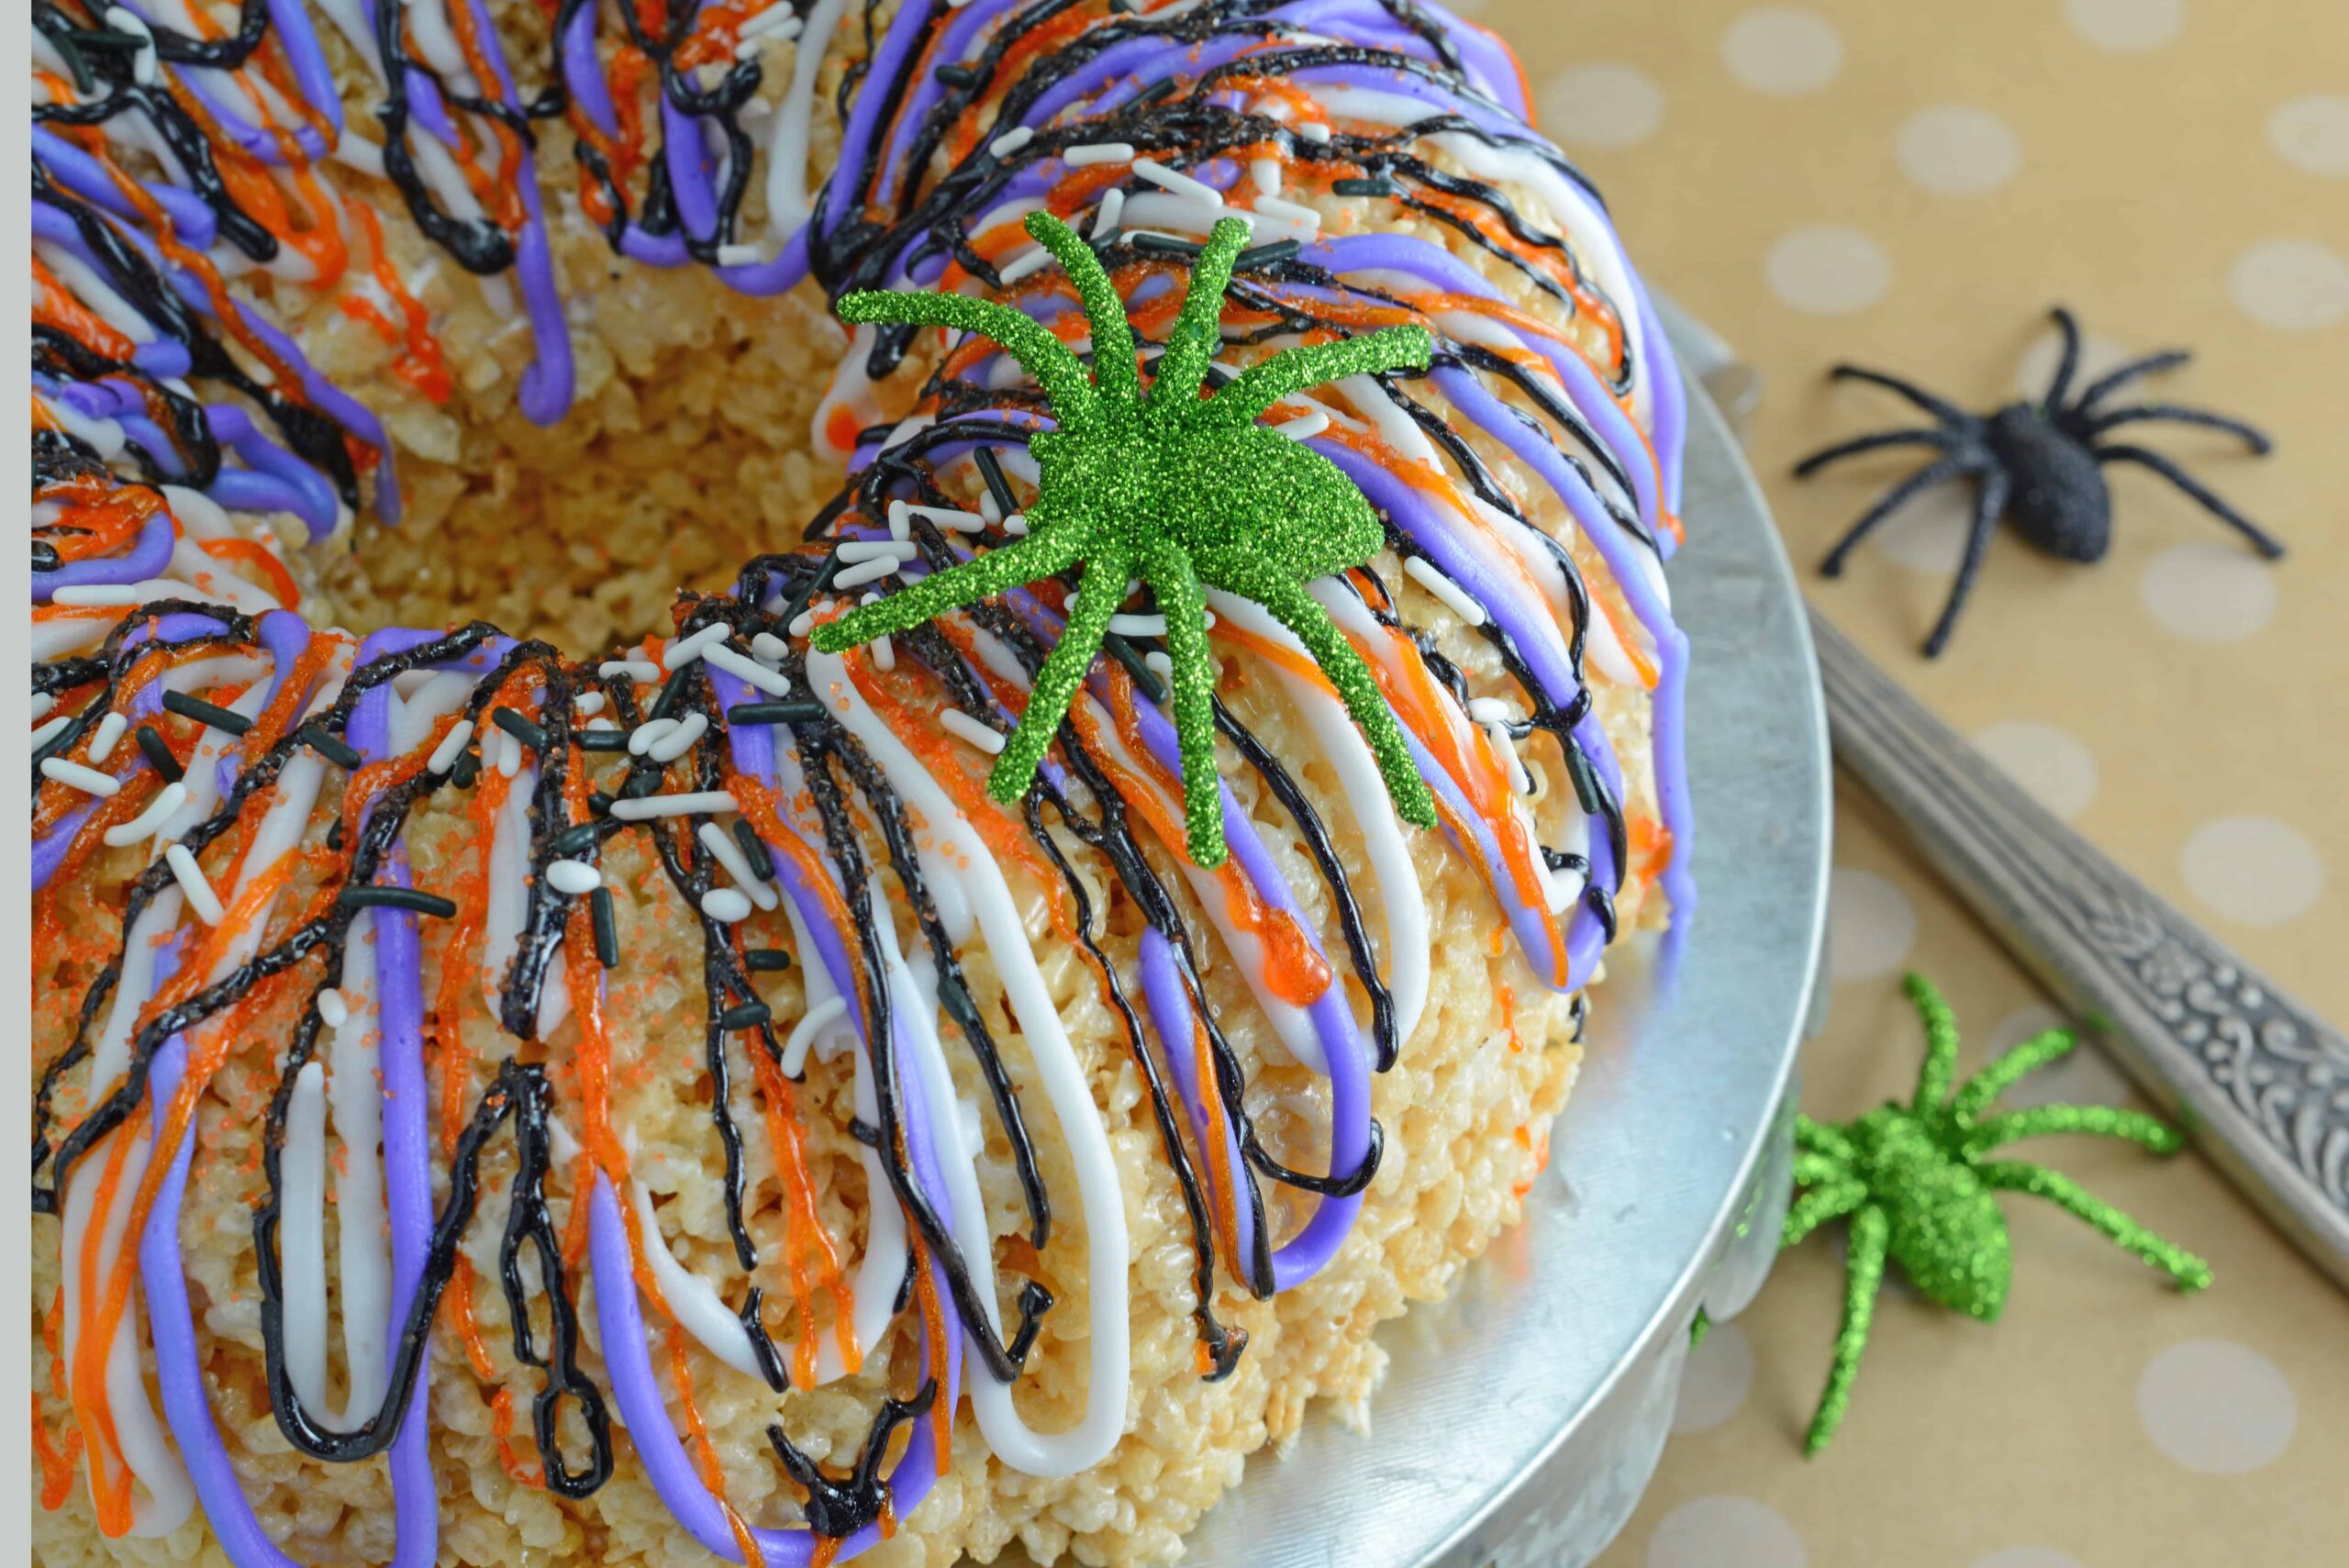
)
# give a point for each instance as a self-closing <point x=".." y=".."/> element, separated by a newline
<point x="1939" y="407"/>
<point x="2113" y="381"/>
<point x="1938" y="472"/>
<point x="1974" y="1095"/>
<point x="1819" y="1205"/>
<point x="1169" y="573"/>
<point x="1989" y="506"/>
<point x="1048" y="550"/>
<point x="1064" y="669"/>
<point x="2252" y="436"/>
<point x="1067" y="384"/>
<point x="1298" y="611"/>
<point x="1198" y="331"/>
<point x="1864" y="1275"/>
<point x="1858" y="444"/>
<point x="1818" y="1138"/>
<point x="2262" y="540"/>
<point x="2065" y="366"/>
<point x="1266" y="381"/>
<point x="2100" y="1121"/>
<point x="1940" y="1021"/>
<point x="1114" y="372"/>
<point x="2013" y="1176"/>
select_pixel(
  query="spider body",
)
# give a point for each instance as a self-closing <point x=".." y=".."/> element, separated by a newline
<point x="2038" y="465"/>
<point x="1186" y="493"/>
<point x="1919" y="1186"/>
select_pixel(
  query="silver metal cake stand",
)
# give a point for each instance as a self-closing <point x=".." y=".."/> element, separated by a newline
<point x="1520" y="1421"/>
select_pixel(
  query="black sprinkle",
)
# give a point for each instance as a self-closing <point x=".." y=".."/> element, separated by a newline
<point x="572" y="839"/>
<point x="521" y="728"/>
<point x="1376" y="185"/>
<point x="799" y="710"/>
<point x="332" y="747"/>
<point x="467" y="769"/>
<point x="762" y="866"/>
<point x="955" y="75"/>
<point x="671" y="690"/>
<point x="1257" y="256"/>
<point x="158" y="753"/>
<point x="1163" y="245"/>
<point x="45" y="557"/>
<point x="607" y="928"/>
<point x="601" y="739"/>
<point x="748" y="1015"/>
<point x="1145" y="678"/>
<point x="600" y="803"/>
<point x="375" y="895"/>
<point x="991" y="470"/>
<point x="218" y="718"/>
<point x="767" y="959"/>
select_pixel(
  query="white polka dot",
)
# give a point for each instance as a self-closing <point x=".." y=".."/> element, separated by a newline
<point x="2053" y="768"/>
<point x="1604" y="103"/>
<point x="2126" y="26"/>
<point x="2027" y="1557"/>
<point x="1927" y="535"/>
<point x="1828" y="270"/>
<point x="1783" y="51"/>
<point x="2036" y="369"/>
<point x="1725" y="1532"/>
<point x="2311" y="134"/>
<point x="1718" y="1376"/>
<point x="2209" y="592"/>
<point x="1954" y="150"/>
<point x="2291" y="285"/>
<point x="2253" y="868"/>
<point x="2216" y="1407"/>
<point x="2086" y="1077"/>
<point x="1870" y="925"/>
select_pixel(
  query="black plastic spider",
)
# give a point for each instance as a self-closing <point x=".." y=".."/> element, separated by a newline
<point x="2037" y="464"/>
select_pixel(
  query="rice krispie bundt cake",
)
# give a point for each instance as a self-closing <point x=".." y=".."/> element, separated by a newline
<point x="545" y="1054"/>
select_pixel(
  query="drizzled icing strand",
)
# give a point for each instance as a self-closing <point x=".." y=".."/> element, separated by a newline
<point x="769" y="793"/>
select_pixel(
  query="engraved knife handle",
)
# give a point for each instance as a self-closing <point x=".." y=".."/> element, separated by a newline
<point x="2258" y="1079"/>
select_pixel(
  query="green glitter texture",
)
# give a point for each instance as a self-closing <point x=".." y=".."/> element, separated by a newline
<point x="1183" y="492"/>
<point x="1919" y="1192"/>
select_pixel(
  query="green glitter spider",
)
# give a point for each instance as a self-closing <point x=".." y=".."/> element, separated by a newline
<point x="1181" y="491"/>
<point x="1918" y="1190"/>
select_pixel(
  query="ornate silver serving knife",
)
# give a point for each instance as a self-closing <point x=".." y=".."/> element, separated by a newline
<point x="2261" y="1082"/>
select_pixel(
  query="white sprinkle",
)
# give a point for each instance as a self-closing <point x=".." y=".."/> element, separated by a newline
<point x="960" y="723"/>
<point x="1012" y="141"/>
<point x="1314" y="130"/>
<point x="803" y="1034"/>
<point x="574" y="877"/>
<point x="143" y="59"/>
<point x="86" y="594"/>
<point x="865" y="572"/>
<point x="885" y="653"/>
<point x="1113" y="207"/>
<point x="1137" y="625"/>
<point x="1098" y="152"/>
<point x="773" y="20"/>
<point x="333" y="1011"/>
<point x="601" y="725"/>
<point x="679" y="742"/>
<point x="634" y="668"/>
<point x="1274" y="206"/>
<point x="42" y="735"/>
<point x="728" y="853"/>
<point x="452" y="746"/>
<point x="1016" y="525"/>
<point x="1498" y="734"/>
<point x="167" y="800"/>
<point x="1305" y="426"/>
<point x="1455" y="596"/>
<point x="686" y="649"/>
<point x="649" y="734"/>
<point x="73" y="775"/>
<point x="899" y="526"/>
<point x="1173" y="180"/>
<point x="589" y="703"/>
<point x="42" y="703"/>
<point x="802" y="624"/>
<point x="509" y="754"/>
<point x="200" y="896"/>
<point x="1035" y="261"/>
<point x="952" y="519"/>
<point x="769" y="649"/>
<point x="1489" y="710"/>
<point x="1267" y="172"/>
<point x="1159" y="663"/>
<point x="740" y="255"/>
<point x="708" y="802"/>
<point x="720" y="657"/>
<point x="110" y="731"/>
<point x="726" y="904"/>
<point x="862" y="550"/>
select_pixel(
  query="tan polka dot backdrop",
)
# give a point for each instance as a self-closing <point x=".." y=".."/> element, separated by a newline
<point x="1911" y="186"/>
